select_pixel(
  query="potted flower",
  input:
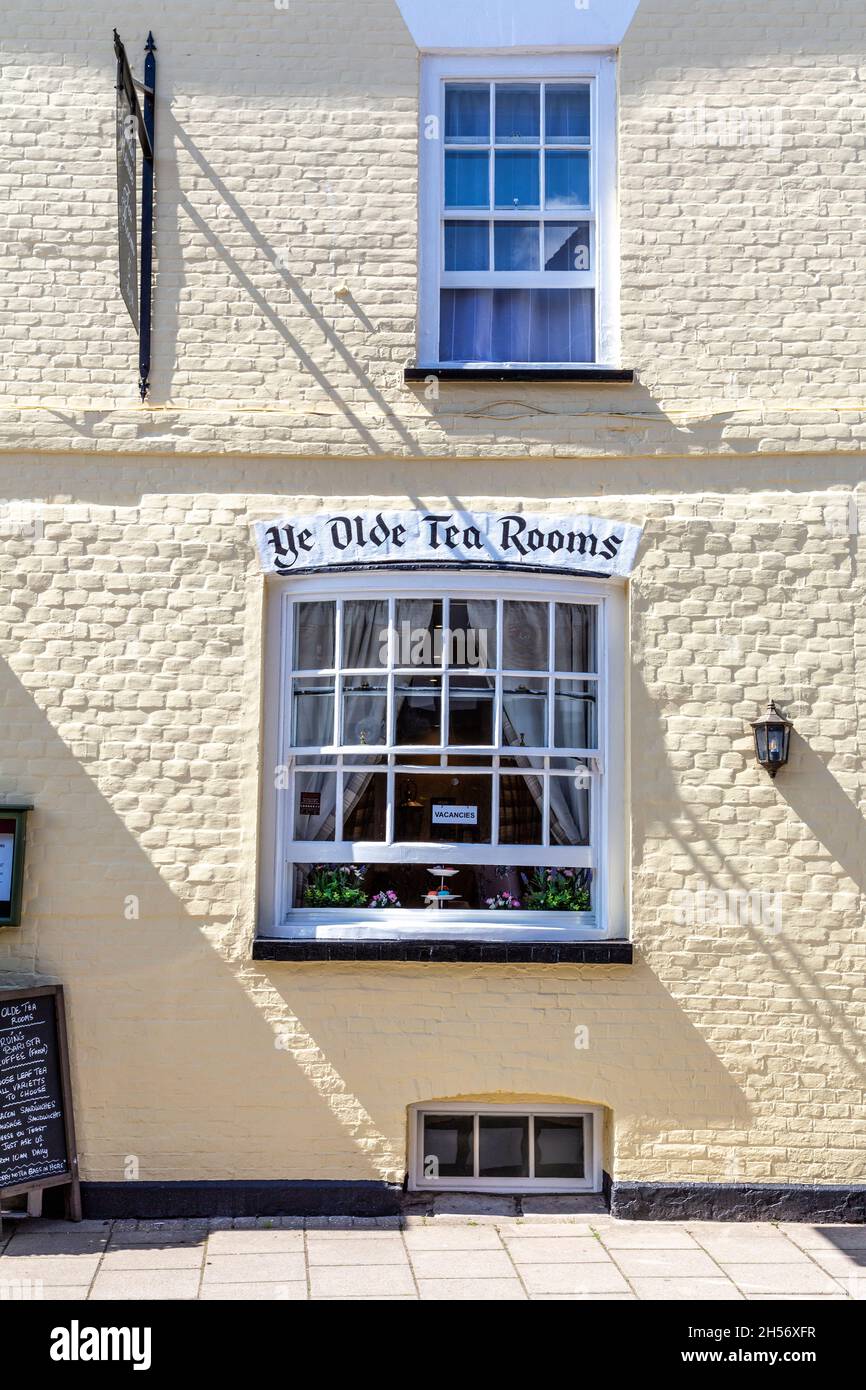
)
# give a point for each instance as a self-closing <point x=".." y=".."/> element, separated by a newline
<point x="335" y="885"/>
<point x="557" y="890"/>
<point x="503" y="902"/>
<point x="387" y="898"/>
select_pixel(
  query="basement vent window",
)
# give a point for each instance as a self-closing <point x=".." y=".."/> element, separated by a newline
<point x="466" y="1147"/>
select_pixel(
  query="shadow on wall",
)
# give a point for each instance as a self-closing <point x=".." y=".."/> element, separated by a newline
<point x="189" y="1061"/>
<point x="737" y="960"/>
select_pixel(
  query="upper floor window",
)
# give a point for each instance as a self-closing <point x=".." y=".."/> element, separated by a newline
<point x="517" y="250"/>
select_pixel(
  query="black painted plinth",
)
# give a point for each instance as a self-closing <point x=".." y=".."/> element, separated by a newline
<point x="448" y="952"/>
<point x="709" y="1201"/>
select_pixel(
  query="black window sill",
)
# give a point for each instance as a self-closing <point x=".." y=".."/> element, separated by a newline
<point x="439" y="952"/>
<point x="596" y="376"/>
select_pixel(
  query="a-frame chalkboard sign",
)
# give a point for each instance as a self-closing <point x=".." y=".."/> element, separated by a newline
<point x="37" y="1133"/>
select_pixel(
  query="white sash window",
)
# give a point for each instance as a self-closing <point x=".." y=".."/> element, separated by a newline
<point x="518" y="238"/>
<point x="444" y="752"/>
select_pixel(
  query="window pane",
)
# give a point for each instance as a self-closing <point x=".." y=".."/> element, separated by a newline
<point x="574" y="716"/>
<point x="517" y="183"/>
<point x="570" y="808"/>
<point x="364" y="710"/>
<point x="524" y="714"/>
<point x="503" y="1146"/>
<point x="314" y="636"/>
<point x="524" y="638"/>
<point x="470" y="710"/>
<point x="418" y="701"/>
<point x="467" y="245"/>
<point x="365" y="632"/>
<point x="419" y="632"/>
<point x="448" y="1146"/>
<point x="472" y="633"/>
<point x="559" y="1146"/>
<point x="466" y="180"/>
<point x="521" y="805"/>
<point x="566" y="114"/>
<point x="330" y="885"/>
<point x="315" y="802"/>
<point x="518" y="113"/>
<point x="467" y="113"/>
<point x="313" y="715"/>
<point x="566" y="246"/>
<point x="566" y="180"/>
<point x="517" y="325"/>
<point x="450" y="806"/>
<point x="575" y="637"/>
<point x="515" y="245"/>
<point x="365" y="796"/>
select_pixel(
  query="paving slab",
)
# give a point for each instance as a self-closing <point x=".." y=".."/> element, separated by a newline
<point x="558" y="1251"/>
<point x="805" y="1278"/>
<point x="356" y="1252"/>
<point x="472" y="1289"/>
<point x="573" y="1278"/>
<point x="255" y="1242"/>
<point x="68" y="1242"/>
<point x="826" y="1237"/>
<point x="648" y="1235"/>
<point x="583" y="1297"/>
<point x="292" y="1291"/>
<point x="657" y="1264"/>
<point x="436" y="1237"/>
<point x="154" y="1257"/>
<point x="687" y="1290"/>
<point x="462" y="1264"/>
<point x="53" y="1293"/>
<point x="274" y="1268"/>
<point x="50" y="1269"/>
<point x="158" y="1236"/>
<point x="549" y="1230"/>
<point x="146" y="1284"/>
<point x="738" y="1247"/>
<point x="335" y="1281"/>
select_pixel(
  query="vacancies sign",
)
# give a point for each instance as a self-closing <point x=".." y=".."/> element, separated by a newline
<point x="516" y="540"/>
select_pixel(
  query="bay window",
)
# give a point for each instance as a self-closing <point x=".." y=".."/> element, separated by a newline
<point x="441" y="756"/>
<point x="517" y="198"/>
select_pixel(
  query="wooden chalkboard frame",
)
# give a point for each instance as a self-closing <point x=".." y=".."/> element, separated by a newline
<point x="69" y="1179"/>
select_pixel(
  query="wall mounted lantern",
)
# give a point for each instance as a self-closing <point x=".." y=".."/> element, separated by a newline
<point x="772" y="736"/>
<point x="13" y="827"/>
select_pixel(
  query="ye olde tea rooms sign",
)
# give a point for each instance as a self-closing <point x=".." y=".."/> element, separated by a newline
<point x="514" y="540"/>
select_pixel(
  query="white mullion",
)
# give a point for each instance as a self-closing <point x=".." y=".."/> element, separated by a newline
<point x="389" y="715"/>
<point x="531" y="1128"/>
<point x="542" y="171"/>
<point x="445" y="680"/>
<point x="286" y="818"/>
<point x="476" y="1145"/>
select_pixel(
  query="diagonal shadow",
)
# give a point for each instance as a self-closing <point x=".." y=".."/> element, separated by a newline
<point x="302" y="297"/>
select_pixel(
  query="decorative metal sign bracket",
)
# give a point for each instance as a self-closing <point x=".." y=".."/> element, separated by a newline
<point x="145" y="124"/>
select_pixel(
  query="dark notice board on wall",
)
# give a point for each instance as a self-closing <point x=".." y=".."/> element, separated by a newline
<point x="37" y="1133"/>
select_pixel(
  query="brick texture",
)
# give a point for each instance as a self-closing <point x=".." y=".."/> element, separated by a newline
<point x="131" y="607"/>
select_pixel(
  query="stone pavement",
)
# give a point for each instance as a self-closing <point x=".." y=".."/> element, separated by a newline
<point x="588" y="1256"/>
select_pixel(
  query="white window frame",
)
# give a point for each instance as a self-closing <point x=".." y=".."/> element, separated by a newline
<point x="606" y="855"/>
<point x="593" y="1151"/>
<point x="599" y="69"/>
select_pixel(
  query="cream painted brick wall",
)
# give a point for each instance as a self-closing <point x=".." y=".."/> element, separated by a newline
<point x="130" y="622"/>
<point x="286" y="170"/>
<point x="130" y="696"/>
